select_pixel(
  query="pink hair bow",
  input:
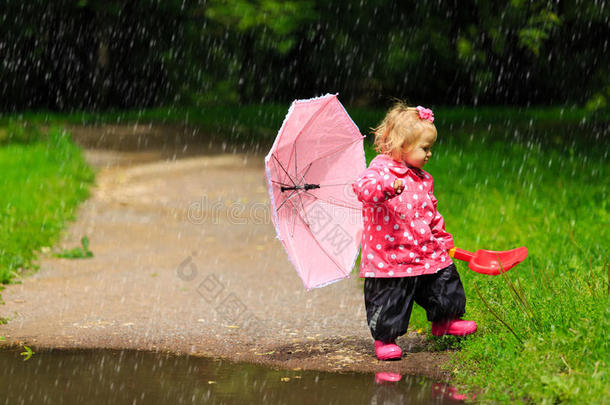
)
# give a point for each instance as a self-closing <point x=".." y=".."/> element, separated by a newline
<point x="425" y="113"/>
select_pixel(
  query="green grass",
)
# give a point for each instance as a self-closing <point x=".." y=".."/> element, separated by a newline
<point x="41" y="185"/>
<point x="80" y="252"/>
<point x="497" y="193"/>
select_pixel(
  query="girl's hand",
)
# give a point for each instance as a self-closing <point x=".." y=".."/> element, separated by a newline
<point x="398" y="186"/>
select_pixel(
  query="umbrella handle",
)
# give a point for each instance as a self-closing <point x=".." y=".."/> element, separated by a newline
<point x="300" y="187"/>
<point x="461" y="254"/>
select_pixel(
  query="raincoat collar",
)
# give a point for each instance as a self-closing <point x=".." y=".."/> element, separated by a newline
<point x="399" y="167"/>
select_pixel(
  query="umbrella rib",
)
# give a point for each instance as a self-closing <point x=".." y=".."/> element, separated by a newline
<point x="302" y="178"/>
<point x="287" y="174"/>
<point x="349" y="181"/>
<point x="303" y="208"/>
<point x="335" y="184"/>
<point x="311" y="119"/>
<point x="338" y="149"/>
<point x="330" y="256"/>
<point x="307" y="124"/>
<point x="344" y="205"/>
<point x="306" y="170"/>
<point x="294" y="219"/>
<point x="295" y="208"/>
<point x="280" y="183"/>
<point x="286" y="200"/>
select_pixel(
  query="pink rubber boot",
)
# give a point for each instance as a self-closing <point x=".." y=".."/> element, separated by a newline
<point x="456" y="327"/>
<point x="387" y="351"/>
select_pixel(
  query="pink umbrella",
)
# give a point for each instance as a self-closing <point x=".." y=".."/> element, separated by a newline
<point x="316" y="156"/>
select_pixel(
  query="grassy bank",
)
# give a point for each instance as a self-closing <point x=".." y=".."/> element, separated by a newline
<point x="43" y="179"/>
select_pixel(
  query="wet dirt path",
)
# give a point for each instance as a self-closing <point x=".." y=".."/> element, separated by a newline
<point x="186" y="261"/>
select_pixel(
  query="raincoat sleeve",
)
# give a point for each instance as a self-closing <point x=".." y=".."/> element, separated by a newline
<point x="374" y="186"/>
<point x="438" y="225"/>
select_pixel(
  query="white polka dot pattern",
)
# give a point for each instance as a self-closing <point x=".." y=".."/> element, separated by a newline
<point x="405" y="234"/>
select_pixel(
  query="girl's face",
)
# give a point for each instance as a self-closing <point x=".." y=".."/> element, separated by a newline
<point x="417" y="154"/>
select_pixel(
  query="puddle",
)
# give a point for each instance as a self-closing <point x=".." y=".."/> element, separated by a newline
<point x="138" y="377"/>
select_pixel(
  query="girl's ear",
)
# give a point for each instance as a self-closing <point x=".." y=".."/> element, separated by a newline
<point x="405" y="148"/>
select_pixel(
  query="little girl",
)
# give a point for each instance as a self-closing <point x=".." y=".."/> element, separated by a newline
<point x="404" y="255"/>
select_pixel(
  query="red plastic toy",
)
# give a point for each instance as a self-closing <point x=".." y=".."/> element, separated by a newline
<point x="490" y="262"/>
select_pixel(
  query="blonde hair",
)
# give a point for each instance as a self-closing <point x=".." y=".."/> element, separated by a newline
<point x="401" y="126"/>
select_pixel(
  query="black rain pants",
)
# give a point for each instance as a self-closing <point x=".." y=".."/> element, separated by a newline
<point x="389" y="301"/>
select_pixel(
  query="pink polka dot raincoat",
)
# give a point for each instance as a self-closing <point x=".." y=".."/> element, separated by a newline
<point x="404" y="234"/>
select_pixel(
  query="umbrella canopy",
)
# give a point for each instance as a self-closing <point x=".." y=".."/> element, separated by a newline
<point x="317" y="155"/>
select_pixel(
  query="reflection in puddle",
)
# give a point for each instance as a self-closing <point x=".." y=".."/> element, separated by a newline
<point x="448" y="392"/>
<point x="136" y="377"/>
<point x="440" y="392"/>
<point x="384" y="377"/>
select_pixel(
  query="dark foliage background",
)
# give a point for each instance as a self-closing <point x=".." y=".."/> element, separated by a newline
<point x="106" y="54"/>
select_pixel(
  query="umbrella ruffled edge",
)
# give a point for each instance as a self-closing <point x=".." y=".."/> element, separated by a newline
<point x="307" y="100"/>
